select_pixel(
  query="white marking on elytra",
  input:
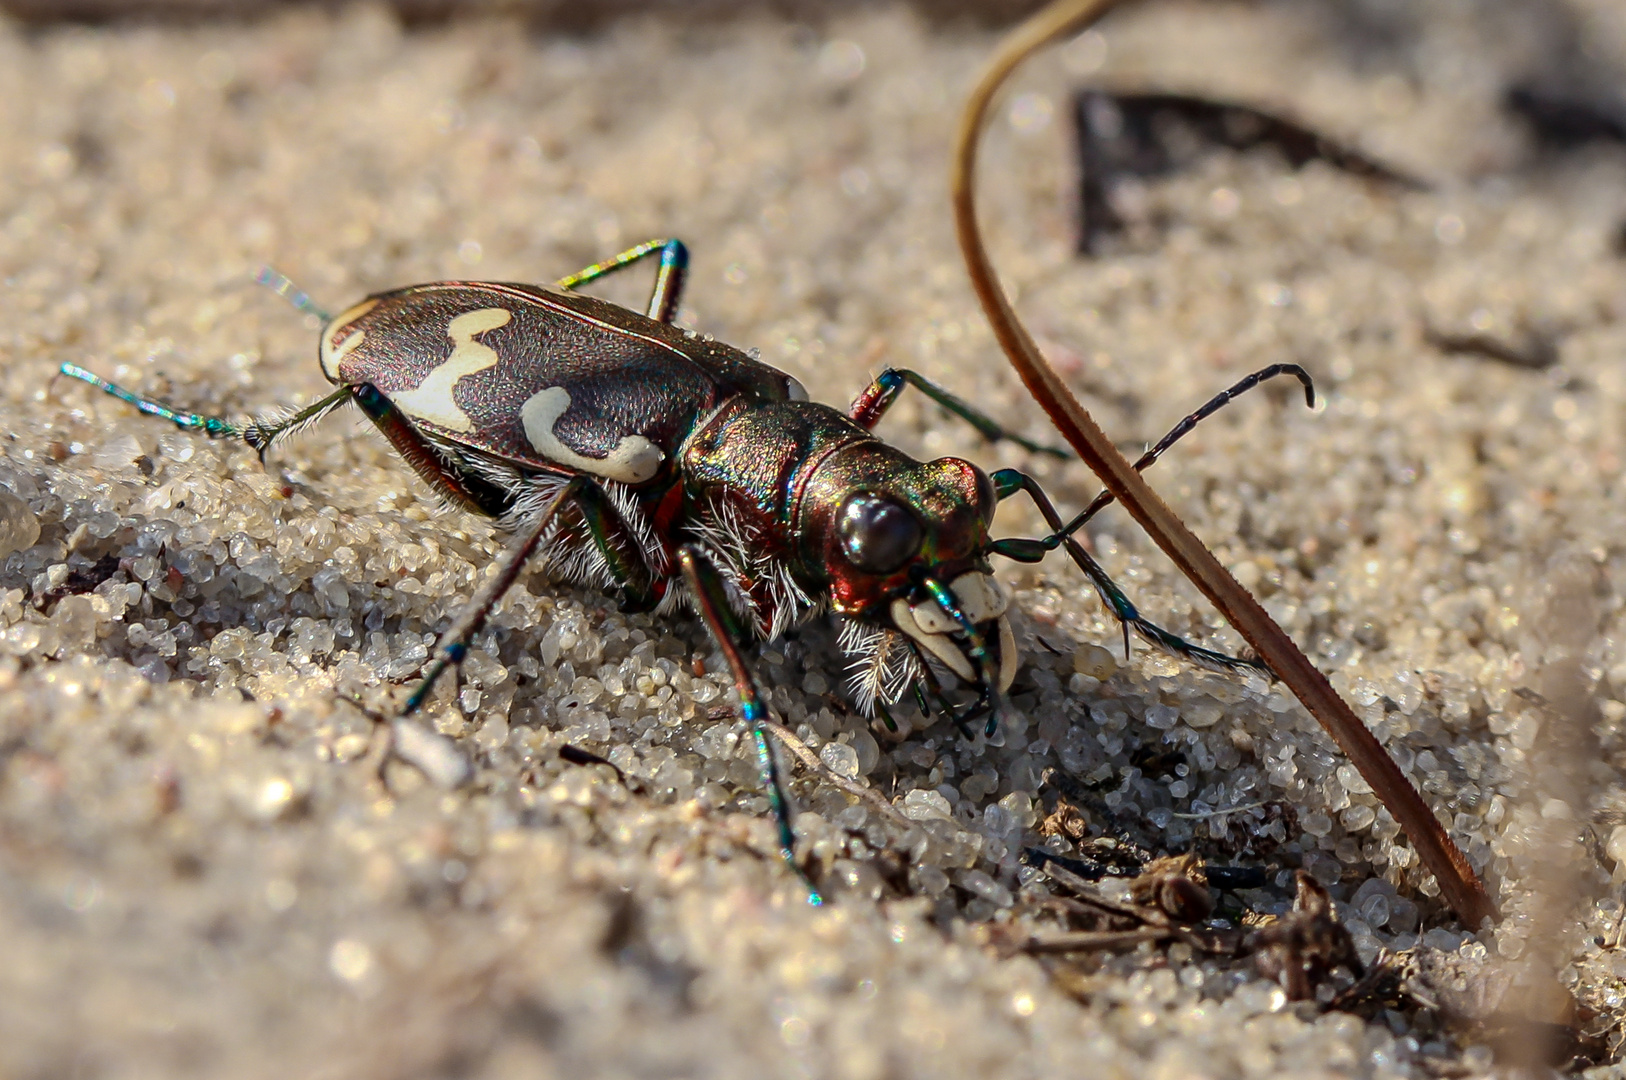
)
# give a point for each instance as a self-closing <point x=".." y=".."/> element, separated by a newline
<point x="634" y="459"/>
<point x="332" y="354"/>
<point x="432" y="399"/>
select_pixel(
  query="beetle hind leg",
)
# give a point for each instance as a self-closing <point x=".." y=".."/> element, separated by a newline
<point x="259" y="433"/>
<point x="454" y="643"/>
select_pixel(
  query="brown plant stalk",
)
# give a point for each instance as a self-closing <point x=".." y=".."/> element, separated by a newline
<point x="1462" y="889"/>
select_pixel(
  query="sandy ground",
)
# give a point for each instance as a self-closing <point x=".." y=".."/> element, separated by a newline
<point x="201" y="873"/>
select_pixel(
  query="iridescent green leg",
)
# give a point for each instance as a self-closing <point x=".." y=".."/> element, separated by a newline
<point x="669" y="275"/>
<point x="990" y="696"/>
<point x="621" y="549"/>
<point x="1023" y="550"/>
<point x="869" y="407"/>
<point x="1008" y="482"/>
<point x="259" y="434"/>
<point x="706" y="586"/>
<point x="284" y="286"/>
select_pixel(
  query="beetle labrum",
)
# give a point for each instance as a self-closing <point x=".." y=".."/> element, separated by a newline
<point x="674" y="468"/>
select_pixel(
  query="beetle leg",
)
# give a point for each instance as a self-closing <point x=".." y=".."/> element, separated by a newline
<point x="259" y="433"/>
<point x="669" y="276"/>
<point x="706" y="585"/>
<point x="1008" y="482"/>
<point x="284" y="286"/>
<point x="608" y="532"/>
<point x="262" y="432"/>
<point x="868" y="408"/>
<point x="454" y="643"/>
<point x="620" y="547"/>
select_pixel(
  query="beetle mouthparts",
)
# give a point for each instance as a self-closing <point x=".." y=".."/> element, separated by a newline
<point x="940" y="634"/>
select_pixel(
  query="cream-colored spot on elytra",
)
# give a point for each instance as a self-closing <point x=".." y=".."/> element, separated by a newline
<point x="331" y="353"/>
<point x="634" y="459"/>
<point x="432" y="399"/>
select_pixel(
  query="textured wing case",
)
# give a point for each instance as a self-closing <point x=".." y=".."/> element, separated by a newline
<point x="540" y="377"/>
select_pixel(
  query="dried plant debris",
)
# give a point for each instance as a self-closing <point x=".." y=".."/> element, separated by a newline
<point x="1168" y="901"/>
<point x="1175" y="885"/>
<point x="1300" y="949"/>
<point x="1127" y="137"/>
<point x="1462" y="995"/>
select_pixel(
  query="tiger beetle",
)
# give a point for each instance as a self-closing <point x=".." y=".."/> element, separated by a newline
<point x="675" y="469"/>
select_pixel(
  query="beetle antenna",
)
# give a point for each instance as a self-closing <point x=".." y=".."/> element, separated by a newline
<point x="1184" y="427"/>
<point x="284" y="286"/>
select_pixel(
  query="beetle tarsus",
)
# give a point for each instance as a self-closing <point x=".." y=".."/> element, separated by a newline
<point x="1008" y="482"/>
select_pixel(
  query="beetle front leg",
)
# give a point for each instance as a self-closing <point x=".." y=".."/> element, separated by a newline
<point x="1008" y="482"/>
<point x="669" y="275"/>
<point x="868" y="408"/>
<point x="706" y="585"/>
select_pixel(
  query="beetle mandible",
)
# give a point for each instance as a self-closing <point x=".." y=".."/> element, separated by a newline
<point x="675" y="469"/>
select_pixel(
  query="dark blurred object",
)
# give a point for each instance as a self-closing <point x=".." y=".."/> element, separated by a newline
<point x="1564" y="120"/>
<point x="1533" y="351"/>
<point x="1134" y="136"/>
<point x="566" y="15"/>
<point x="1237" y="877"/>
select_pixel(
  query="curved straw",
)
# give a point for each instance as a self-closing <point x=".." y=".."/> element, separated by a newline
<point x="1461" y="888"/>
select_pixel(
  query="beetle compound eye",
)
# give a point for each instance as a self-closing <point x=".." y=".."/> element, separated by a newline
<point x="878" y="535"/>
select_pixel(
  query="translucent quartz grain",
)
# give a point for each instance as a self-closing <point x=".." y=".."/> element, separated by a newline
<point x="19" y="528"/>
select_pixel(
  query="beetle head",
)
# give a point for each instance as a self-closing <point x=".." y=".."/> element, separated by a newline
<point x="899" y="543"/>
